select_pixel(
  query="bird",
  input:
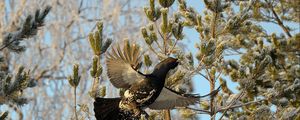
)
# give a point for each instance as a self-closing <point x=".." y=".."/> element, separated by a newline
<point x="141" y="90"/>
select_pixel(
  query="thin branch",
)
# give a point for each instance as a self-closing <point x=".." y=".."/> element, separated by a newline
<point x="151" y="48"/>
<point x="219" y="75"/>
<point x="75" y="111"/>
<point x="231" y="104"/>
<point x="8" y="44"/>
<point x="158" y="45"/>
<point x="199" y="65"/>
<point x="240" y="105"/>
<point x="203" y="76"/>
<point x="212" y="99"/>
<point x="215" y="19"/>
<point x="165" y="43"/>
<point x="160" y="34"/>
<point x="199" y="110"/>
<point x="169" y="52"/>
<point x="279" y="21"/>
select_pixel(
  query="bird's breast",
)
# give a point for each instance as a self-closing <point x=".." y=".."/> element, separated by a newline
<point x="127" y="94"/>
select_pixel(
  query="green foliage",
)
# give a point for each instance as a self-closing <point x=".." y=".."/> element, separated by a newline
<point x="14" y="89"/>
<point x="96" y="70"/>
<point x="188" y="114"/>
<point x="147" y="60"/>
<point x="13" y="86"/>
<point x="74" y="81"/>
<point x="177" y="30"/>
<point x="224" y="87"/>
<point x="166" y="3"/>
<point x="75" y="78"/>
<point x="102" y="91"/>
<point x="98" y="45"/>
<point x="152" y="13"/>
<point x="28" y="29"/>
<point x="148" y="40"/>
<point x="165" y="25"/>
<point x="3" y="115"/>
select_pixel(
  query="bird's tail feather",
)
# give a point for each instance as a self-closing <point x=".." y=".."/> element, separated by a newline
<point x="213" y="93"/>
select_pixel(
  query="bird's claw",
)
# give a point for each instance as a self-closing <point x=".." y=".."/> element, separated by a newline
<point x="146" y="114"/>
<point x="137" y="112"/>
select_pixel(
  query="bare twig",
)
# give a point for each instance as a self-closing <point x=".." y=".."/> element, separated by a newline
<point x="172" y="48"/>
<point x="151" y="48"/>
<point x="75" y="111"/>
<point x="231" y="104"/>
<point x="160" y="34"/>
<point x="212" y="99"/>
<point x="199" y="110"/>
<point x="167" y="115"/>
<point x="215" y="19"/>
<point x="279" y="21"/>
<point x="165" y="38"/>
<point x="240" y="105"/>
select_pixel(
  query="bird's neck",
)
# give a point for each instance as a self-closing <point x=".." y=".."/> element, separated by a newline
<point x="161" y="73"/>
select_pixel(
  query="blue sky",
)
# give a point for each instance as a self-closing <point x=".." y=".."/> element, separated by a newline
<point x="201" y="85"/>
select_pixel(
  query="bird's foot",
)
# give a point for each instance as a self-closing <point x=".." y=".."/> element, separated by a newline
<point x="137" y="112"/>
<point x="146" y="114"/>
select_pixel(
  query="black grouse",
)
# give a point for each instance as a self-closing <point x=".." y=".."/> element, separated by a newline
<point x="141" y="90"/>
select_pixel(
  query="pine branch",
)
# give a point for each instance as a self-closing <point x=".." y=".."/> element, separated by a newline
<point x="199" y="110"/>
<point x="240" y="105"/>
<point x="11" y="90"/>
<point x="280" y="23"/>
<point x="230" y="105"/>
<point x="29" y="29"/>
<point x="3" y="115"/>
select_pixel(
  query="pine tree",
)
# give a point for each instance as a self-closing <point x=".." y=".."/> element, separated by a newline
<point x="13" y="85"/>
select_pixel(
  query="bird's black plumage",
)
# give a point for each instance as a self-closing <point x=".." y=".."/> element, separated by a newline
<point x="142" y="90"/>
<point x="108" y="109"/>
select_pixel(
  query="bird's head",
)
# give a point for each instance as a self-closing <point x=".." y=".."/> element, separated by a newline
<point x="162" y="68"/>
<point x="170" y="62"/>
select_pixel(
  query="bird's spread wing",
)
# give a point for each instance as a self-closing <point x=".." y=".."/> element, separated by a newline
<point x="122" y="65"/>
<point x="169" y="99"/>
